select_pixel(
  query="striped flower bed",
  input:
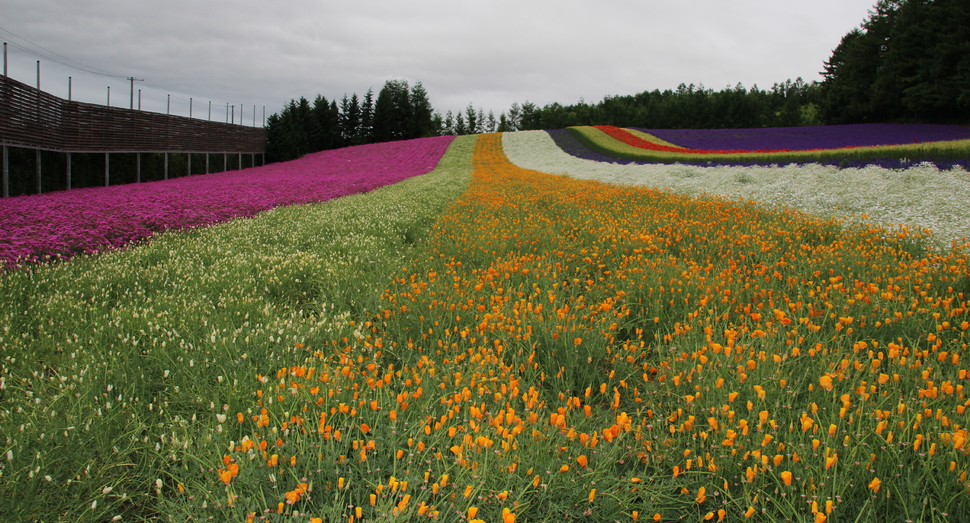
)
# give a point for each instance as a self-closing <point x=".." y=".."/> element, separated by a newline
<point x="62" y="224"/>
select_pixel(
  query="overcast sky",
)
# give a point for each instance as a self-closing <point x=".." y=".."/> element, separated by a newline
<point x="486" y="52"/>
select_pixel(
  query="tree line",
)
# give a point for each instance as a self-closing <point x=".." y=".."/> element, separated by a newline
<point x="909" y="61"/>
<point x="399" y="112"/>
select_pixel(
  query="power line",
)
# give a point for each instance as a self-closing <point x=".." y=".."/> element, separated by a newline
<point x="74" y="64"/>
<point x="51" y="54"/>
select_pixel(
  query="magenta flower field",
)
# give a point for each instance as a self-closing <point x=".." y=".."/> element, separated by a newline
<point x="62" y="224"/>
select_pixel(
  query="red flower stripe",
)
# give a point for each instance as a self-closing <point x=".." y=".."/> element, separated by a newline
<point x="630" y="139"/>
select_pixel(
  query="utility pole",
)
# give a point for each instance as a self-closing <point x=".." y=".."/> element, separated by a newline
<point x="132" y="79"/>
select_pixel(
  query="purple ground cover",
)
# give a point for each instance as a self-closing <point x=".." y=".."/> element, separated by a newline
<point x="62" y="224"/>
<point x="813" y="137"/>
<point x="568" y="142"/>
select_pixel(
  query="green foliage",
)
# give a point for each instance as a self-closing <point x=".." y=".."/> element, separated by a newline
<point x="400" y="112"/>
<point x="909" y="61"/>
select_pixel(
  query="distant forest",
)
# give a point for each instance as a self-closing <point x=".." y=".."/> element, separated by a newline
<point x="909" y="62"/>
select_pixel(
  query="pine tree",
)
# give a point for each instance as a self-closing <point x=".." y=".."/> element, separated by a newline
<point x="421" y="113"/>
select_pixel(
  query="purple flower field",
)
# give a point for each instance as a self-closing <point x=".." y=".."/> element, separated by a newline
<point x="817" y="137"/>
<point x="571" y="145"/>
<point x="62" y="224"/>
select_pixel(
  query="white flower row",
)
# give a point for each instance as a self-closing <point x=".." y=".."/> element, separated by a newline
<point x="921" y="196"/>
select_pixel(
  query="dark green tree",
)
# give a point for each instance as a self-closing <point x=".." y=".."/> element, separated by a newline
<point x="421" y="124"/>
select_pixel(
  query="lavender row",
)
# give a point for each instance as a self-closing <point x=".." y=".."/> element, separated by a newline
<point x="568" y="142"/>
<point x="62" y="224"/>
<point x="812" y="137"/>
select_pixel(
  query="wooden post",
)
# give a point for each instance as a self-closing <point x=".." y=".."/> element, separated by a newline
<point x="107" y="169"/>
<point x="68" y="173"/>
<point x="38" y="171"/>
<point x="5" y="168"/>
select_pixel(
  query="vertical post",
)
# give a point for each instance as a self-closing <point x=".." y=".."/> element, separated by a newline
<point x="169" y="109"/>
<point x="254" y="115"/>
<point x="108" y="103"/>
<point x="131" y="102"/>
<point x="107" y="169"/>
<point x="138" y="166"/>
<point x="69" y="86"/>
<point x="189" y="170"/>
<point x="225" y="162"/>
<point x="166" y="166"/>
<point x="68" y="169"/>
<point x="233" y="121"/>
<point x="240" y="161"/>
<point x="6" y="168"/>
<point x="207" y="163"/>
<point x="38" y="171"/>
<point x="241" y="114"/>
<point x="210" y="112"/>
<point x="139" y="99"/>
<point x="227" y="112"/>
<point x="5" y="65"/>
<point x="38" y="75"/>
<point x="190" y="108"/>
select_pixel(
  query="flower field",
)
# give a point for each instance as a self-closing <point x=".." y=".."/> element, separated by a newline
<point x="517" y="335"/>
<point x="885" y="145"/>
<point x="61" y="224"/>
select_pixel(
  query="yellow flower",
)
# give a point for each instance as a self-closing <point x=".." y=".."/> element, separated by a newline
<point x="786" y="477"/>
<point x="508" y="516"/>
<point x="875" y="484"/>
